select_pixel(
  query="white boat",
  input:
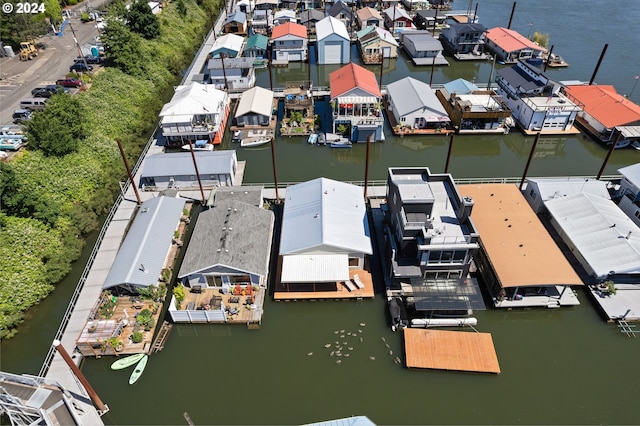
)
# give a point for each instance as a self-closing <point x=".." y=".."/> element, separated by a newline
<point x="313" y="138"/>
<point x="200" y="145"/>
<point x="443" y="322"/>
<point x="635" y="145"/>
<point x="257" y="141"/>
<point x="329" y="137"/>
<point x="237" y="136"/>
<point x="341" y="143"/>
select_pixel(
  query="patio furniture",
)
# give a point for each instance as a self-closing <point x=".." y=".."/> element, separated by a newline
<point x="358" y="282"/>
<point x="196" y="289"/>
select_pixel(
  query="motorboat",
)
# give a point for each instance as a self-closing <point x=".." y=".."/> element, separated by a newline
<point x="341" y="143"/>
<point x="200" y="145"/>
<point x="398" y="313"/>
<point x="237" y="136"/>
<point x="255" y="141"/>
<point x="635" y="145"/>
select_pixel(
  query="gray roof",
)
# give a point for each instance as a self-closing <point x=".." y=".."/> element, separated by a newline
<point x="181" y="163"/>
<point x="422" y="41"/>
<point x="144" y="250"/>
<point x="311" y="15"/>
<point x="632" y="173"/>
<point x="247" y="194"/>
<point x="237" y="16"/>
<point x="517" y="77"/>
<point x="230" y="63"/>
<point x="411" y="95"/>
<point x="232" y="234"/>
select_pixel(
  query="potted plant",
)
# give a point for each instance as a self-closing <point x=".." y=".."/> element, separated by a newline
<point x="179" y="293"/>
<point x="137" y="336"/>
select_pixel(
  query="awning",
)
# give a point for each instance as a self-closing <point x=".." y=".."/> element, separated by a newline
<point x="306" y="268"/>
<point x="357" y="100"/>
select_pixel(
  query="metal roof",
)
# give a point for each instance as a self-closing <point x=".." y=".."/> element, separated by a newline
<point x="460" y="86"/>
<point x="237" y="16"/>
<point x="311" y="15"/>
<point x="422" y="41"/>
<point x="181" y="163"/>
<point x="143" y="252"/>
<point x="517" y="77"/>
<point x="632" y="173"/>
<point x="257" y="40"/>
<point x="330" y="25"/>
<point x="550" y="188"/>
<point x="255" y="100"/>
<point x="229" y="42"/>
<point x="411" y="95"/>
<point x="309" y="268"/>
<point x="347" y="421"/>
<point x="603" y="235"/>
<point x="323" y="216"/>
<point x="193" y="99"/>
<point x="232" y="234"/>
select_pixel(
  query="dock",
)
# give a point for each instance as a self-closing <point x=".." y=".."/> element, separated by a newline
<point x="161" y="338"/>
<point x="450" y="350"/>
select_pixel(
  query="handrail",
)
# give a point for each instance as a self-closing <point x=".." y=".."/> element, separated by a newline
<point x="79" y="286"/>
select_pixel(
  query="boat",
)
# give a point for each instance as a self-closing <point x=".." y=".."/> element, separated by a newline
<point x="237" y="136"/>
<point x="313" y="138"/>
<point x="444" y="322"/>
<point x="621" y="143"/>
<point x="341" y="143"/>
<point x="255" y="141"/>
<point x="398" y="313"/>
<point x="127" y="361"/>
<point x="200" y="145"/>
<point x="635" y="145"/>
<point x="139" y="369"/>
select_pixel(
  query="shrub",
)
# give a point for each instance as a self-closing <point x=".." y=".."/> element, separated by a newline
<point x="137" y="336"/>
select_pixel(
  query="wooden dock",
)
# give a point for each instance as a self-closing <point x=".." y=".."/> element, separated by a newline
<point x="450" y="350"/>
<point x="161" y="338"/>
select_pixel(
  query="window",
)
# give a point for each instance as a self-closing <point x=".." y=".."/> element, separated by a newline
<point x="354" y="262"/>
<point x="637" y="214"/>
<point x="532" y="194"/>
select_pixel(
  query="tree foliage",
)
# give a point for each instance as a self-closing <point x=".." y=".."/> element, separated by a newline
<point x="59" y="128"/>
<point x="17" y="27"/>
<point x="123" y="47"/>
<point x="141" y="20"/>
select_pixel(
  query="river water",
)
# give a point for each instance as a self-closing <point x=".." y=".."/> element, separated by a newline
<point x="563" y="366"/>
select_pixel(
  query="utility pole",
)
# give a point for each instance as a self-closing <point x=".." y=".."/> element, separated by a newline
<point x="75" y="39"/>
<point x="126" y="165"/>
<point x="195" y="166"/>
<point x="526" y="168"/>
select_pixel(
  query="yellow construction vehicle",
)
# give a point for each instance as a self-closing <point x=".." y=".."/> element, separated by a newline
<point x="28" y="50"/>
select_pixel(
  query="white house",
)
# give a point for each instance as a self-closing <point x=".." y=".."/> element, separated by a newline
<point x="289" y="42"/>
<point x="333" y="41"/>
<point x="229" y="45"/>
<point x="176" y="170"/>
<point x="540" y="190"/>
<point x="235" y="73"/>
<point x="325" y="232"/>
<point x="255" y="107"/>
<point x="415" y="104"/>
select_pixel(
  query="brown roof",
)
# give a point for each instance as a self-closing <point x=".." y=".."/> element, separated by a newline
<point x="517" y="244"/>
<point x="368" y="13"/>
<point x="510" y="40"/>
<point x="603" y="103"/>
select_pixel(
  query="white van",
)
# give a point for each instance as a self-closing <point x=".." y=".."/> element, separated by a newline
<point x="33" y="104"/>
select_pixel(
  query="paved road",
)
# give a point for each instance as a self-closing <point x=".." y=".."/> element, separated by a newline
<point x="20" y="77"/>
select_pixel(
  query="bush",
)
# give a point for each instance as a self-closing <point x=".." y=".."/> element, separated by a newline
<point x="137" y="336"/>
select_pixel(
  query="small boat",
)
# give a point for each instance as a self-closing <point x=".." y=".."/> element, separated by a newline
<point x="313" y="138"/>
<point x="200" y="145"/>
<point x="622" y="143"/>
<point x="139" y="369"/>
<point x="635" y="145"/>
<point x="127" y="361"/>
<point x="256" y="141"/>
<point x="237" y="136"/>
<point x="341" y="143"/>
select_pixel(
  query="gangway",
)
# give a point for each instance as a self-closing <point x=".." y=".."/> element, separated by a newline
<point x="627" y="328"/>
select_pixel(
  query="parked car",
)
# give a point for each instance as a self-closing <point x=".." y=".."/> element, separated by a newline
<point x="21" y="115"/>
<point x="80" y="67"/>
<point x="47" y="91"/>
<point x="90" y="59"/>
<point x="70" y="82"/>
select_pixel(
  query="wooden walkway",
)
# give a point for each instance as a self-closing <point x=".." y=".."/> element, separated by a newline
<point x="339" y="291"/>
<point x="161" y="338"/>
<point x="450" y="350"/>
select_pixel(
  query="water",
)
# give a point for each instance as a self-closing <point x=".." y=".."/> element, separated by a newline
<point x="563" y="366"/>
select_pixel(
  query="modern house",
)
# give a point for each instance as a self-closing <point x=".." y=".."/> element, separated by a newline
<point x="176" y="170"/>
<point x="325" y="236"/>
<point x="234" y="74"/>
<point x="423" y="48"/>
<point x="309" y="18"/>
<point x="369" y="17"/>
<point x="429" y="19"/>
<point x="481" y="111"/>
<point x="509" y="46"/>
<point x="519" y="261"/>
<point x="430" y="240"/>
<point x="229" y="248"/>
<point x="142" y="256"/>
<point x="356" y="103"/>
<point x="289" y="42"/>
<point x="262" y="21"/>
<point x="375" y="44"/>
<point x="605" y="114"/>
<point x="342" y="11"/>
<point x="196" y="112"/>
<point x="397" y="20"/>
<point x="540" y="190"/>
<point x="236" y="23"/>
<point x="333" y="41"/>
<point x="256" y="47"/>
<point x="229" y="45"/>
<point x="536" y="101"/>
<point x="629" y="193"/>
<point x="415" y="105"/>
<point x="255" y="108"/>
<point x="266" y="5"/>
<point x="464" y="41"/>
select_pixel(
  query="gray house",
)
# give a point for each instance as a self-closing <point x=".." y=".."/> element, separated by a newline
<point x="414" y="104"/>
<point x="333" y="41"/>
<point x="423" y="48"/>
<point x="176" y="170"/>
<point x="233" y="73"/>
<point x="309" y="18"/>
<point x="464" y="39"/>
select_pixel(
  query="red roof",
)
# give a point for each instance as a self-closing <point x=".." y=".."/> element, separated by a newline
<point x="289" y="28"/>
<point x="603" y="103"/>
<point x="511" y="41"/>
<point x="353" y="76"/>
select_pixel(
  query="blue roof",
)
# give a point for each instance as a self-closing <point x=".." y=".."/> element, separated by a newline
<point x="460" y="86"/>
<point x="144" y="250"/>
<point x="237" y="16"/>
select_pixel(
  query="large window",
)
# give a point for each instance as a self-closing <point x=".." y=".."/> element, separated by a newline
<point x="447" y="256"/>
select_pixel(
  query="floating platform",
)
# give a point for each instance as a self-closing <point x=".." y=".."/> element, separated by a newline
<point x="450" y="350"/>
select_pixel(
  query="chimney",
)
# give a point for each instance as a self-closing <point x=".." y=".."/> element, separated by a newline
<point x="465" y="209"/>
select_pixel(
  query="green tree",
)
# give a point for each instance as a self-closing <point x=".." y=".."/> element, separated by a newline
<point x="123" y="47"/>
<point x="59" y="128"/>
<point x="181" y="8"/>
<point x="53" y="11"/>
<point x="141" y="20"/>
<point x="211" y="8"/>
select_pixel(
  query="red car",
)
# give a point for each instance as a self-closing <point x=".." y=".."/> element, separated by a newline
<point x="70" y="82"/>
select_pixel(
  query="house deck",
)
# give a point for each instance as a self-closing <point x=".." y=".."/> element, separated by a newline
<point x="213" y="298"/>
<point x="450" y="350"/>
<point x="401" y="132"/>
<point x="336" y="290"/>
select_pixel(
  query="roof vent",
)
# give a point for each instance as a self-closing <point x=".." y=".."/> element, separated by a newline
<point x="235" y="210"/>
<point x="144" y="210"/>
<point x="142" y="268"/>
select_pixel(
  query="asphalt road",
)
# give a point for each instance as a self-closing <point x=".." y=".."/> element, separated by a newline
<point x="20" y="77"/>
